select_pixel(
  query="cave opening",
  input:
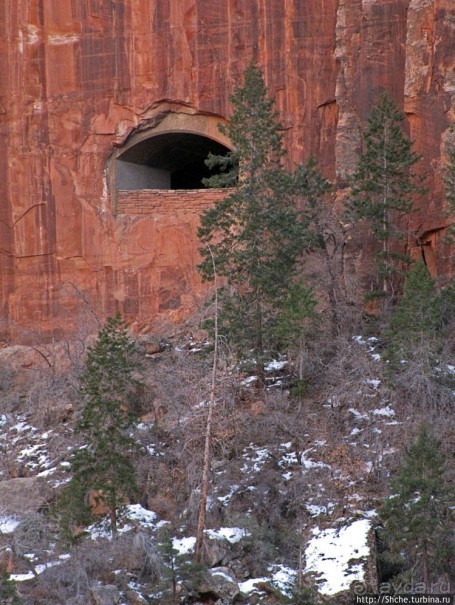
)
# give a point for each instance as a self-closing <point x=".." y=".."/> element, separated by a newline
<point x="171" y="160"/>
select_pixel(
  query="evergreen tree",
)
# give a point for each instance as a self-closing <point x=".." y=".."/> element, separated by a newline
<point x="108" y="391"/>
<point x="417" y="316"/>
<point x="8" y="590"/>
<point x="384" y="183"/>
<point x="295" y="326"/>
<point x="418" y="359"/>
<point x="255" y="233"/>
<point x="324" y="236"/>
<point x="417" y="514"/>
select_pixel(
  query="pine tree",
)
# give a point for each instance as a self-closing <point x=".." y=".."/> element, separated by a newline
<point x="8" y="590"/>
<point x="417" y="514"/>
<point x="384" y="183"/>
<point x="418" y="360"/>
<point x="295" y="326"/>
<point x="255" y="233"/>
<point x="108" y="391"/>
<point x="324" y="235"/>
<point x="417" y="316"/>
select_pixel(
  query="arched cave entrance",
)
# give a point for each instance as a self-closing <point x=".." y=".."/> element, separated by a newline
<point x="167" y="160"/>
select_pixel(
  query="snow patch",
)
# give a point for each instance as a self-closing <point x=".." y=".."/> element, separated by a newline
<point x="337" y="556"/>
<point x="184" y="545"/>
<point x="308" y="463"/>
<point x="136" y="512"/>
<point x="275" y="365"/>
<point x="231" y="534"/>
<point x="23" y="577"/>
<point x="385" y="411"/>
<point x="130" y="516"/>
<point x="59" y="39"/>
<point x="225" y="499"/>
<point x="8" y="524"/>
<point x="249" y="586"/>
<point x="283" y="578"/>
<point x="249" y="381"/>
<point x="217" y="572"/>
<point x="315" y="509"/>
<point x="257" y="458"/>
<point x="358" y="414"/>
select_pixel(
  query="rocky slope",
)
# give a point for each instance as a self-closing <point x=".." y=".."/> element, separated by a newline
<point x="295" y="487"/>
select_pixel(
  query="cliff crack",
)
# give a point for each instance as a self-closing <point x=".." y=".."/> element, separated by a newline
<point x="27" y="211"/>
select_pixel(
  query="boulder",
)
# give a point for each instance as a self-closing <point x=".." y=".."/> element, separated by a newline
<point x="24" y="495"/>
<point x="216" y="553"/>
<point x="134" y="598"/>
<point x="80" y="600"/>
<point x="106" y="595"/>
<point x="219" y="584"/>
<point x="150" y="344"/>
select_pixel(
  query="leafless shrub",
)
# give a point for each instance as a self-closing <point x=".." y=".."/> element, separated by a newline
<point x="51" y="399"/>
<point x="424" y="383"/>
<point x="33" y="534"/>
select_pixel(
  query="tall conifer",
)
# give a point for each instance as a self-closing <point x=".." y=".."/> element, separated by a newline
<point x="417" y="316"/>
<point x="255" y="233"/>
<point x="417" y="514"/>
<point x="384" y="183"/>
<point x="108" y="388"/>
<point x="8" y="590"/>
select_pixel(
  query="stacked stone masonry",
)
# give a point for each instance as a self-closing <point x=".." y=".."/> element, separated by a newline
<point x="158" y="202"/>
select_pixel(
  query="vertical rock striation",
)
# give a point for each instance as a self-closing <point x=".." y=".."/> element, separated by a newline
<point x="78" y="78"/>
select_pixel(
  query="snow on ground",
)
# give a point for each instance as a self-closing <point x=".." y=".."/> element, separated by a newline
<point x="184" y="545"/>
<point x="225" y="499"/>
<point x="136" y="512"/>
<point x="231" y="534"/>
<point x="308" y="463"/>
<point x="131" y="516"/>
<point x="357" y="414"/>
<point x="281" y="577"/>
<point x="316" y="509"/>
<point x="39" y="569"/>
<point x="249" y="586"/>
<point x="249" y="381"/>
<point x="288" y="459"/>
<point x="337" y="556"/>
<point x="385" y="411"/>
<point x="28" y="447"/>
<point x="275" y="365"/>
<point x="8" y="524"/>
<point x="255" y="458"/>
<point x="215" y="571"/>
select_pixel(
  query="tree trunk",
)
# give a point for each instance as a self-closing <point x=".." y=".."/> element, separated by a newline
<point x="208" y="435"/>
<point x="425" y="567"/>
<point x="113" y="516"/>
<point x="385" y="217"/>
<point x="259" y="346"/>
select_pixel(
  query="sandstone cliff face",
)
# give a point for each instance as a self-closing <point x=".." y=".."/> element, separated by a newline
<point x="78" y="78"/>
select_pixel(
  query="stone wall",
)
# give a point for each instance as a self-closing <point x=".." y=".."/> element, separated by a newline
<point x="158" y="202"/>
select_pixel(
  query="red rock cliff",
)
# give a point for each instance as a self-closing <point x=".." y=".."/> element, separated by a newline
<point x="78" y="78"/>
